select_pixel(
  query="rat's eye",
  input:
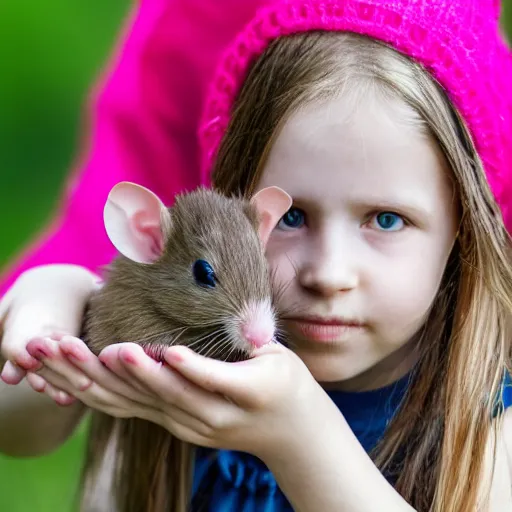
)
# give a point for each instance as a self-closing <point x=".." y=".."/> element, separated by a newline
<point x="204" y="274"/>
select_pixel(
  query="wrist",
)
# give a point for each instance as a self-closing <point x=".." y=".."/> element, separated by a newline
<point x="301" y="428"/>
<point x="323" y="466"/>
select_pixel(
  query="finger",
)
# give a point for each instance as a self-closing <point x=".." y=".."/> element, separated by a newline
<point x="70" y="384"/>
<point x="40" y="385"/>
<point x="59" y="396"/>
<point x="175" y="390"/>
<point x="214" y="375"/>
<point x="48" y="351"/>
<point x="237" y="381"/>
<point x="109" y="356"/>
<point x="190" y="435"/>
<point x="12" y="373"/>
<point x="37" y="383"/>
<point x="82" y="359"/>
<point x="94" y="396"/>
<point x="13" y="349"/>
<point x="19" y="329"/>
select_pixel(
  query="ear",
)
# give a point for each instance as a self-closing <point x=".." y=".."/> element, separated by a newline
<point x="136" y="222"/>
<point x="271" y="204"/>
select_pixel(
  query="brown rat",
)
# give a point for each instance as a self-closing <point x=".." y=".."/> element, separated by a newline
<point x="196" y="275"/>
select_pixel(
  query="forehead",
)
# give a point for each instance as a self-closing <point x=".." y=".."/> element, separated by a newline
<point x="374" y="146"/>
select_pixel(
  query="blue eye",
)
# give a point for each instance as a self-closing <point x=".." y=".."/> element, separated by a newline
<point x="292" y="219"/>
<point x="388" y="221"/>
<point x="204" y="274"/>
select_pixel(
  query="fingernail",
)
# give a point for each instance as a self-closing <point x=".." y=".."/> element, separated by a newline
<point x="40" y="353"/>
<point x="57" y="335"/>
<point x="129" y="358"/>
<point x="41" y="347"/>
<point x="62" y="398"/>
<point x="108" y="362"/>
<point x="39" y="386"/>
<point x="84" y="384"/>
<point x="8" y="376"/>
<point x="75" y="354"/>
<point x="25" y="361"/>
<point x="52" y="345"/>
<point x="174" y="357"/>
<point x="70" y="401"/>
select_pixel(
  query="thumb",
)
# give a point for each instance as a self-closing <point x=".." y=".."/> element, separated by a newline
<point x="237" y="381"/>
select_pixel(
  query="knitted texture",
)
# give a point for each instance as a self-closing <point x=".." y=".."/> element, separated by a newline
<point x="458" y="41"/>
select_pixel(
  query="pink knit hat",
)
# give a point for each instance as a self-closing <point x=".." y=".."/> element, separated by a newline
<point x="458" y="41"/>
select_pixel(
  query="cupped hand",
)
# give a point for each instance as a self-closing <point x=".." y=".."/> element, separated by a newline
<point x="68" y="370"/>
<point x="252" y="406"/>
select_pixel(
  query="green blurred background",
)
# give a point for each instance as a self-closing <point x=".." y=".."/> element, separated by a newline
<point x="51" y="51"/>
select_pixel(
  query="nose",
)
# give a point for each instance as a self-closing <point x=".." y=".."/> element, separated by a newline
<point x="331" y="265"/>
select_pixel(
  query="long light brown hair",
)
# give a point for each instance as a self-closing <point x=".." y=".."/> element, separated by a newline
<point x="435" y="446"/>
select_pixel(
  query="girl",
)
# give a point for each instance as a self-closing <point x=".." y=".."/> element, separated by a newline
<point x="390" y="125"/>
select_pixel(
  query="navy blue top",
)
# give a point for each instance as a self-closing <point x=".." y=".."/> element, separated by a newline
<point x="227" y="480"/>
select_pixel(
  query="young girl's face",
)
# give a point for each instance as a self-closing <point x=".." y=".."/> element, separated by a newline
<point x="363" y="249"/>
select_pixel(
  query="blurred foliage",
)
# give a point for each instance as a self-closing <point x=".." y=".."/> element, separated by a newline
<point x="50" y="53"/>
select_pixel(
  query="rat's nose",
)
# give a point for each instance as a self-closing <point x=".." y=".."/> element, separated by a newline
<point x="257" y="326"/>
<point x="258" y="335"/>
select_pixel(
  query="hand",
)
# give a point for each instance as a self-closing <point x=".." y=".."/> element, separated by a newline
<point x="253" y="406"/>
<point x="44" y="300"/>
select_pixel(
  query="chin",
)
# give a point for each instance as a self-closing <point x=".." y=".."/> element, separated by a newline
<point x="334" y="367"/>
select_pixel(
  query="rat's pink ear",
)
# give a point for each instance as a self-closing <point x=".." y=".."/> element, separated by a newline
<point x="136" y="222"/>
<point x="271" y="204"/>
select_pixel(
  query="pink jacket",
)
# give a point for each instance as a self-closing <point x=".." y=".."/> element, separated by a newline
<point x="144" y="115"/>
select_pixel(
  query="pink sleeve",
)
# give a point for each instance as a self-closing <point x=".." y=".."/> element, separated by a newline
<point x="144" y="113"/>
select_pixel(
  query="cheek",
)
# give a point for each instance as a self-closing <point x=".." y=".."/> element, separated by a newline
<point x="283" y="263"/>
<point x="406" y="291"/>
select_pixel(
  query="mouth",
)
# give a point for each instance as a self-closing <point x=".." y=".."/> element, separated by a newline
<point x="325" y="329"/>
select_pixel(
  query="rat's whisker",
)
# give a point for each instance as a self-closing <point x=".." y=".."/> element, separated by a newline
<point x="164" y="341"/>
<point x="211" y="340"/>
<point x="210" y="347"/>
<point x="234" y="344"/>
<point x="216" y="320"/>
<point x="197" y="342"/>
<point x="231" y="350"/>
<point x="294" y="265"/>
<point x="229" y="347"/>
<point x="279" y="290"/>
<point x="218" y="350"/>
<point x="156" y="335"/>
<point x="174" y="341"/>
<point x="284" y="337"/>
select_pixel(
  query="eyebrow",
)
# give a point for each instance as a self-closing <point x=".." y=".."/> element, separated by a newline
<point x="406" y="207"/>
<point x="416" y="208"/>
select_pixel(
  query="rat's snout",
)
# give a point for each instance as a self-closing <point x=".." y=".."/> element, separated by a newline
<point x="257" y="326"/>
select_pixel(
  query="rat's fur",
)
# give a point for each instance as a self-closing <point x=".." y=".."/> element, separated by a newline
<point x="159" y="304"/>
